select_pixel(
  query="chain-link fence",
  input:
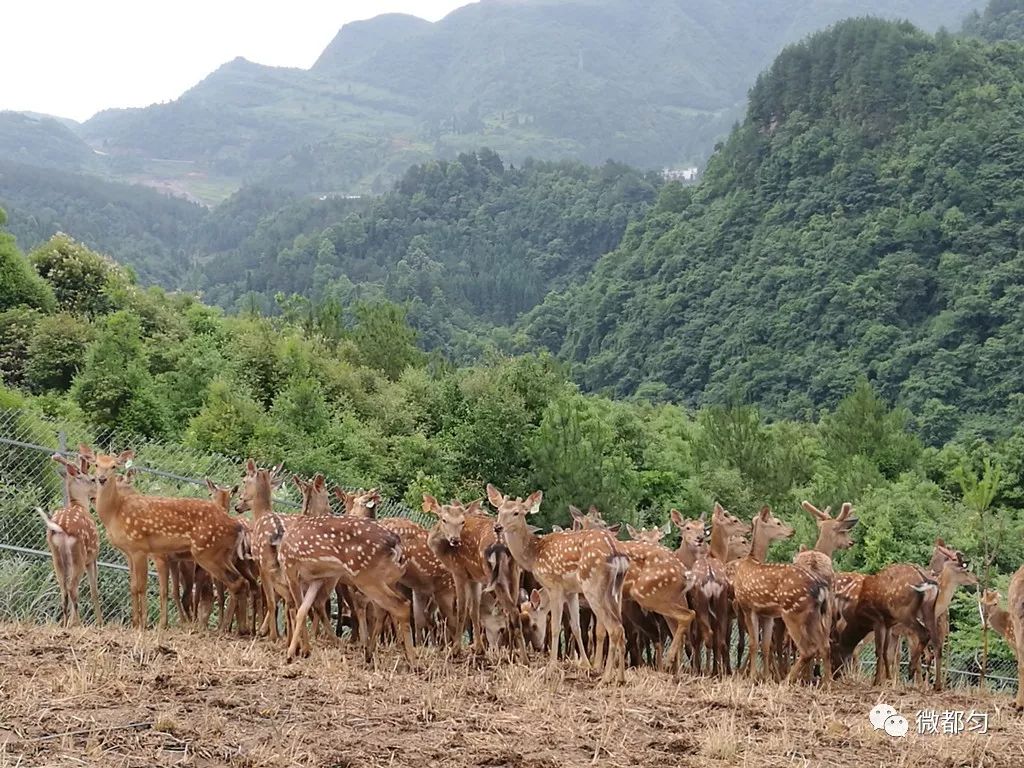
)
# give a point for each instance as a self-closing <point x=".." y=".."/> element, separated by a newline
<point x="30" y="479"/>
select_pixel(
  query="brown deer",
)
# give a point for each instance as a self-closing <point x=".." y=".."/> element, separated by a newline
<point x="769" y="591"/>
<point x="317" y="552"/>
<point x="425" y="575"/>
<point x="465" y="542"/>
<point x="900" y="594"/>
<point x="567" y="564"/>
<point x="709" y="597"/>
<point x="954" y="573"/>
<point x="729" y="545"/>
<point x="1009" y="623"/>
<point x="256" y="496"/>
<point x="74" y="543"/>
<point x="142" y="526"/>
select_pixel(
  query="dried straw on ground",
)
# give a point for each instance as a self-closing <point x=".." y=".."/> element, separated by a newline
<point x="114" y="697"/>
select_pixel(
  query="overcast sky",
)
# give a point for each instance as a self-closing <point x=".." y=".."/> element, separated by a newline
<point x="72" y="58"/>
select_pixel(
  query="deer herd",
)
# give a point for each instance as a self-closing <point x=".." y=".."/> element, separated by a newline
<point x="512" y="588"/>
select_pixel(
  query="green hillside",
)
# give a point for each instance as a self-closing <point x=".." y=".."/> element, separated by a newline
<point x="867" y="217"/>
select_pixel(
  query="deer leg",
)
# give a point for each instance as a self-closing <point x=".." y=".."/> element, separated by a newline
<point x="881" y="653"/>
<point x="398" y="608"/>
<point x="577" y="633"/>
<point x="162" y="571"/>
<point x="557" y="599"/>
<point x="73" y="583"/>
<point x="139" y="574"/>
<point x="299" y="628"/>
<point x="94" y="589"/>
<point x="476" y="617"/>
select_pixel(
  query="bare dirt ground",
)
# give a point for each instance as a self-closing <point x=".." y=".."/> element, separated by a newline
<point x="113" y="697"/>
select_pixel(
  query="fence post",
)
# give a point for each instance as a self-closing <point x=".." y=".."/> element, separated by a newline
<point x="62" y="446"/>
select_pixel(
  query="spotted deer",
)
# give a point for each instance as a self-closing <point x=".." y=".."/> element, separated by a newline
<point x="425" y="575"/>
<point x="709" y="597"/>
<point x="900" y="594"/>
<point x="1009" y="623"/>
<point x="769" y="591"/>
<point x="317" y="552"/>
<point x="728" y="546"/>
<point x="256" y="496"/>
<point x="568" y="564"/>
<point x="954" y="573"/>
<point x="142" y="526"/>
<point x="74" y="543"/>
<point x="465" y="541"/>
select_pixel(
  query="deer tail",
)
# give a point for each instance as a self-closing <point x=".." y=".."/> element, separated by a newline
<point x="49" y="523"/>
<point x="618" y="564"/>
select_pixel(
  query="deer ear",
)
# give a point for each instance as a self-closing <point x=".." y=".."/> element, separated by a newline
<point x="494" y="496"/>
<point x="85" y="451"/>
<point x="250" y="467"/>
<point x="533" y="502"/>
<point x="474" y="507"/>
<point x="534" y="528"/>
<point x="631" y="531"/>
<point x="666" y="528"/>
<point x="234" y="490"/>
<point x="300" y="483"/>
<point x="210" y="486"/>
<point x="430" y="504"/>
<point x="848" y="524"/>
<point x="125" y="456"/>
<point x="675" y="517"/>
<point x="765" y="513"/>
<point x="845" y="511"/>
<point x="939" y="542"/>
<point x="614" y="529"/>
<point x="535" y="599"/>
<point x="719" y="509"/>
<point x="703" y="515"/>
<point x="319" y="481"/>
<point x="575" y="512"/>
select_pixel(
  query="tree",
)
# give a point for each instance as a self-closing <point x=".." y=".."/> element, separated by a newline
<point x="19" y="284"/>
<point x="84" y="282"/>
<point x="115" y="389"/>
<point x="56" y="352"/>
<point x="384" y="340"/>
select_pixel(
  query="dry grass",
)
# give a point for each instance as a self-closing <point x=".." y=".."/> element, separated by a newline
<point x="113" y="697"/>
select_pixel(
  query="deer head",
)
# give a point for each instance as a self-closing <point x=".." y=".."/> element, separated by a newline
<point x="450" y="518"/>
<point x="728" y="522"/>
<point x="692" y="533"/>
<point x="534" y="610"/>
<point x="256" y="488"/>
<point x="591" y="520"/>
<point x="81" y="488"/>
<point x="941" y="554"/>
<point x="221" y="494"/>
<point x="106" y="466"/>
<point x="360" y="503"/>
<point x="833" y="533"/>
<point x="314" y="495"/>
<point x="647" y="535"/>
<point x="512" y="513"/>
<point x="958" y="573"/>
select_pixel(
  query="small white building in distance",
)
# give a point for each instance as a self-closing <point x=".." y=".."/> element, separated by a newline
<point x="680" y="174"/>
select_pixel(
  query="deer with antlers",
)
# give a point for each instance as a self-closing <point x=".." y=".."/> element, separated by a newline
<point x="1009" y="623"/>
<point x="769" y="591"/>
<point x="567" y="564"/>
<point x="425" y="575"/>
<point x="144" y="526"/>
<point x="74" y="542"/>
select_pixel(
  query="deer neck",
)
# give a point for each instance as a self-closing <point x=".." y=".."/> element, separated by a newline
<point x="759" y="542"/>
<point x="945" y="596"/>
<point x="719" y="543"/>
<point x="108" y="501"/>
<point x="1000" y="622"/>
<point x="687" y="554"/>
<point x="524" y="546"/>
<point x="261" y="504"/>
<point x="80" y="499"/>
<point x="825" y="544"/>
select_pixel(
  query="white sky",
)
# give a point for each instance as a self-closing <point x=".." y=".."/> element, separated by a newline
<point x="72" y="58"/>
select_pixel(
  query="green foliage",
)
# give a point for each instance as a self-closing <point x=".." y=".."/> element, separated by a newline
<point x="383" y="339"/>
<point x="1000" y="20"/>
<point x="19" y="284"/>
<point x="84" y="282"/>
<point x="115" y="388"/>
<point x="56" y="352"/>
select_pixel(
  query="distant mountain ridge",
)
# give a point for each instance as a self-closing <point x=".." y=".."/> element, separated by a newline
<point x="649" y="84"/>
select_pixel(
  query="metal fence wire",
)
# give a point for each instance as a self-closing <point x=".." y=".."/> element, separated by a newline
<point x="30" y="479"/>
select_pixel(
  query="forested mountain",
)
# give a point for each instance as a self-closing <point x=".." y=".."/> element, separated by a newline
<point x="1001" y="20"/>
<point x="867" y="218"/>
<point x="145" y="229"/>
<point x="648" y="84"/>
<point x="470" y="242"/>
<point x="44" y="142"/>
